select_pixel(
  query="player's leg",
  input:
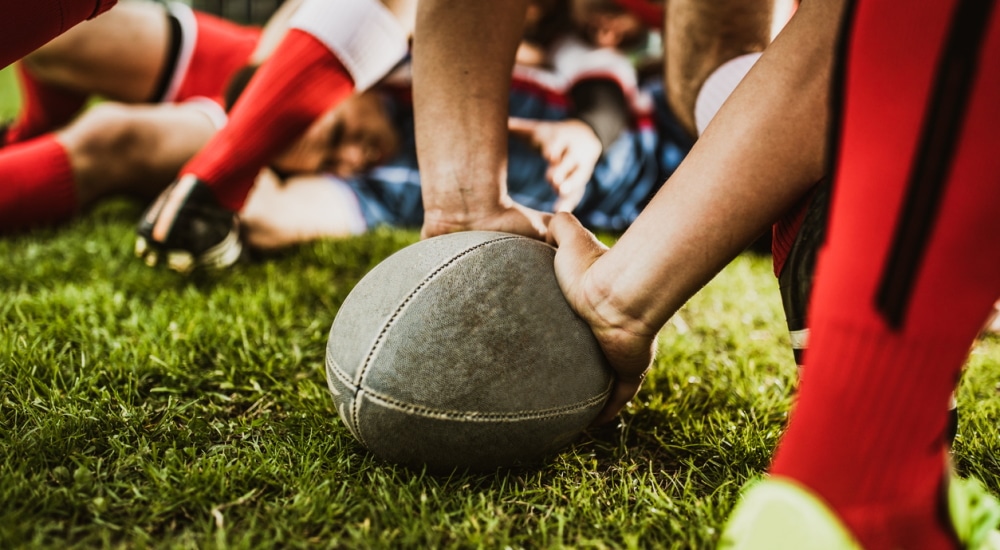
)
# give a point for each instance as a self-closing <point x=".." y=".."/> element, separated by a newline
<point x="27" y="25"/>
<point x="909" y="273"/>
<point x="44" y="107"/>
<point x="111" y="149"/>
<point x="137" y="149"/>
<point x="702" y="36"/>
<point x="120" y="56"/>
<point x="331" y="50"/>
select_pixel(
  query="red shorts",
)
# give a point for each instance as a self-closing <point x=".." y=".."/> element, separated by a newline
<point x="211" y="50"/>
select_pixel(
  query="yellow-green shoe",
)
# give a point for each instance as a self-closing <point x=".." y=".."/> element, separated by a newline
<point x="975" y="514"/>
<point x="779" y="514"/>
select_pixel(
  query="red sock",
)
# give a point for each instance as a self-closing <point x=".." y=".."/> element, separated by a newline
<point x="298" y="83"/>
<point x="27" y="25"/>
<point x="866" y="433"/>
<point x="37" y="186"/>
<point x="44" y="108"/>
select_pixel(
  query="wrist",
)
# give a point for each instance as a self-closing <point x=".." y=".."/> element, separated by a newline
<point x="463" y="207"/>
<point x="614" y="304"/>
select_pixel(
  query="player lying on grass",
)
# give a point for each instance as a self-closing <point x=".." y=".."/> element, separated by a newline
<point x="119" y="147"/>
<point x="163" y="73"/>
<point x="334" y="50"/>
<point x="863" y="462"/>
<point x="547" y="139"/>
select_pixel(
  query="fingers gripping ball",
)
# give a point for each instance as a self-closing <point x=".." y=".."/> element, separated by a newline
<point x="461" y="352"/>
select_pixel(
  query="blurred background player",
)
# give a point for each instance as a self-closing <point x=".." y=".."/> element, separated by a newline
<point x="127" y="146"/>
<point x="332" y="50"/>
<point x="162" y="71"/>
<point x="159" y="67"/>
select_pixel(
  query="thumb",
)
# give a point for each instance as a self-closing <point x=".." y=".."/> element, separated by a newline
<point x="573" y="240"/>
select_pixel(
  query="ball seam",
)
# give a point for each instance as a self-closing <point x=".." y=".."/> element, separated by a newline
<point x="472" y="416"/>
<point x="377" y="344"/>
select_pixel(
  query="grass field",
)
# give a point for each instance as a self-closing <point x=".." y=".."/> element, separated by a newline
<point x="9" y="96"/>
<point x="138" y="408"/>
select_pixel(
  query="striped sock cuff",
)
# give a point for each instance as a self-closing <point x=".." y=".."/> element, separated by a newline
<point x="363" y="34"/>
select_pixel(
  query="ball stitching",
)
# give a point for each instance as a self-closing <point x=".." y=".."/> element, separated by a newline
<point x="358" y="390"/>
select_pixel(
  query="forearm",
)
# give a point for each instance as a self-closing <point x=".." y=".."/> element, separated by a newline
<point x="462" y="61"/>
<point x="764" y="149"/>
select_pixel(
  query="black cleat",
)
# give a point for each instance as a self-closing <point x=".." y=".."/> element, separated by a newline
<point x="187" y="228"/>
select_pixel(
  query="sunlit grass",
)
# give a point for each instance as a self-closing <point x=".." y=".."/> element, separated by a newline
<point x="140" y="408"/>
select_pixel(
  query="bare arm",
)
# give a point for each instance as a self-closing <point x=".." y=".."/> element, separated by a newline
<point x="761" y="152"/>
<point x="463" y="54"/>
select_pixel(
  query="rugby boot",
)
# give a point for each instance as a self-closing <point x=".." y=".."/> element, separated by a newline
<point x="778" y="513"/>
<point x="187" y="229"/>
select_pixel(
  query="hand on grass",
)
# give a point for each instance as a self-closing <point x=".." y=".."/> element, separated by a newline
<point x="572" y="150"/>
<point x="627" y="342"/>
